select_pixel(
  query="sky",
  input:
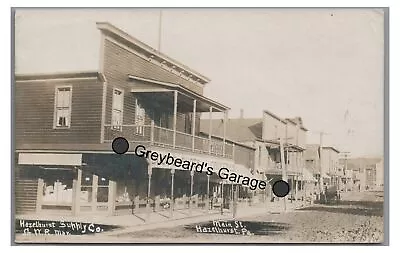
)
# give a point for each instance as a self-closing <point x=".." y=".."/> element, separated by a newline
<point x="324" y="65"/>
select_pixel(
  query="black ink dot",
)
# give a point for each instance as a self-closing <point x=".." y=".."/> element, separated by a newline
<point x="281" y="188"/>
<point x="120" y="145"/>
<point x="331" y="15"/>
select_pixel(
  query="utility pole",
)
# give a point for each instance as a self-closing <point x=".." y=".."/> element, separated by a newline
<point x="159" y="31"/>
<point x="283" y="165"/>
<point x="345" y="169"/>
<point x="321" y="181"/>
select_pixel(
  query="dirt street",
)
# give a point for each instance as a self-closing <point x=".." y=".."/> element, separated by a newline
<point x="348" y="222"/>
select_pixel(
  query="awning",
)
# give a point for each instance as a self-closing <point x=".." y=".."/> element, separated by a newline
<point x="49" y="159"/>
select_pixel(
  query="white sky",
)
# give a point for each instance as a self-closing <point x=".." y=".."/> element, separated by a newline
<point x="323" y="65"/>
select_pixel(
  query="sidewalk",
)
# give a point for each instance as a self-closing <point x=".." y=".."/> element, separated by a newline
<point x="131" y="223"/>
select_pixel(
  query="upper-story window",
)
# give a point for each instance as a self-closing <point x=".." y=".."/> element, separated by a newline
<point x="117" y="109"/>
<point x="139" y="118"/>
<point x="62" y="114"/>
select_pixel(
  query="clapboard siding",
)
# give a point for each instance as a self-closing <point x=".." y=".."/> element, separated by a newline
<point x="34" y="112"/>
<point x="119" y="63"/>
<point x="244" y="156"/>
<point x="25" y="195"/>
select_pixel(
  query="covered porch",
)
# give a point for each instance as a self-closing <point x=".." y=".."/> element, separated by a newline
<point x="172" y="118"/>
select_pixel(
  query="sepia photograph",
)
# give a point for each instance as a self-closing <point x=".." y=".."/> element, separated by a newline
<point x="199" y="125"/>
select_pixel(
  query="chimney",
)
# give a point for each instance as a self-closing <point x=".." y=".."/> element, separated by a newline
<point x="241" y="113"/>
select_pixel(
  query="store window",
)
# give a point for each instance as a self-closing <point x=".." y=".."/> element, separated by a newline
<point x="102" y="189"/>
<point x="57" y="187"/>
<point x="86" y="187"/>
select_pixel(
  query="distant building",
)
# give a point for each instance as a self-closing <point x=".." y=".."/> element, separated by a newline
<point x="364" y="172"/>
<point x="263" y="134"/>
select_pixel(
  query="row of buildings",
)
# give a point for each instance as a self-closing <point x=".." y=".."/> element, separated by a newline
<point x="65" y="124"/>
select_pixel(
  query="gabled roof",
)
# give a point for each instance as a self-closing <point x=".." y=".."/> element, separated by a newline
<point x="239" y="130"/>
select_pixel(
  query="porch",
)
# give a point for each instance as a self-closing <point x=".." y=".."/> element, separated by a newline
<point x="154" y="135"/>
<point x="168" y="115"/>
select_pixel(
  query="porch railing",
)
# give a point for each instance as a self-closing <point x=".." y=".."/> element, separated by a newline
<point x="164" y="137"/>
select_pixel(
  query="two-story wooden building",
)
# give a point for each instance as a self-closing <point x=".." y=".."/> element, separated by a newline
<point x="264" y="135"/>
<point x="65" y="124"/>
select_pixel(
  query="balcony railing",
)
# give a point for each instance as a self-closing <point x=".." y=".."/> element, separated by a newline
<point x="164" y="137"/>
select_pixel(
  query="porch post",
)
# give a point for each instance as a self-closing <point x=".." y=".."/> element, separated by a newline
<point x="231" y="207"/>
<point x="222" y="197"/>
<point x="149" y="172"/>
<point x="76" y="205"/>
<point x="296" y="185"/>
<point x="171" y="208"/>
<point x="193" y="123"/>
<point x="175" y="112"/>
<point x="191" y="191"/>
<point x="210" y="130"/>
<point x="152" y="132"/>
<point x="224" y="134"/>
<point x="95" y="188"/>
<point x="112" y="189"/>
<point x="208" y="193"/>
<point x="39" y="197"/>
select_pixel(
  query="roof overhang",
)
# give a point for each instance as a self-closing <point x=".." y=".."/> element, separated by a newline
<point x="275" y="116"/>
<point x="334" y="149"/>
<point x="59" y="76"/>
<point x="160" y="86"/>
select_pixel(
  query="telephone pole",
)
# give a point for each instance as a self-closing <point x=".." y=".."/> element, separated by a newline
<point x="321" y="181"/>
<point x="346" y="154"/>
<point x="159" y="31"/>
<point x="283" y="165"/>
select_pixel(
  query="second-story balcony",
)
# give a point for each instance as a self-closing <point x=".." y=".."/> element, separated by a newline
<point x="164" y="137"/>
<point x="159" y="104"/>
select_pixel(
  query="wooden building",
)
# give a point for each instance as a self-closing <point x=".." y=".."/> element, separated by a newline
<point x="65" y="124"/>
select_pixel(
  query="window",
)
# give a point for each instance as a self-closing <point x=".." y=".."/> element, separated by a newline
<point x="139" y="119"/>
<point x="57" y="187"/>
<point x="63" y="107"/>
<point x="86" y="194"/>
<point x="102" y="189"/>
<point x="117" y="109"/>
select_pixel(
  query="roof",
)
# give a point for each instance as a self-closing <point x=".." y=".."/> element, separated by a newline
<point x="65" y="75"/>
<point x="209" y="101"/>
<point x="239" y="130"/>
<point x="334" y="149"/>
<point x="66" y="42"/>
<point x="111" y="30"/>
<point x="275" y="116"/>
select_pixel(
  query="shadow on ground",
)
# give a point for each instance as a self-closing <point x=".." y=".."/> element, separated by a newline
<point x="365" y="208"/>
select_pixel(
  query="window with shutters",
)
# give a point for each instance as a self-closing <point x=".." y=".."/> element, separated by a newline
<point x="117" y="109"/>
<point x="63" y="100"/>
